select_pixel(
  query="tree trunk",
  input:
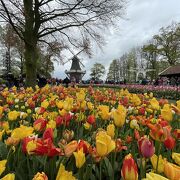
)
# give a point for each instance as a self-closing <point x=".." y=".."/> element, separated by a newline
<point x="31" y="38"/>
<point x="21" y="65"/>
<point x="31" y="57"/>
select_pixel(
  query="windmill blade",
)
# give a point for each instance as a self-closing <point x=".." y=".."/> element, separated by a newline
<point x="81" y="63"/>
<point x="67" y="61"/>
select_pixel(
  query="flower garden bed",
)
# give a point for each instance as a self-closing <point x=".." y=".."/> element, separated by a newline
<point x="167" y="92"/>
<point x="59" y="133"/>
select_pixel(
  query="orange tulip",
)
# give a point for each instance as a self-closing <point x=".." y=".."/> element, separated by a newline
<point x="172" y="171"/>
<point x="70" y="148"/>
<point x="158" y="132"/>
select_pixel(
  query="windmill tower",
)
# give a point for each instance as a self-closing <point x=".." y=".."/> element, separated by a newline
<point x="75" y="71"/>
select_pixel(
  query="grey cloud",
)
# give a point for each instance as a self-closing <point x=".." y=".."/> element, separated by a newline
<point x="143" y="19"/>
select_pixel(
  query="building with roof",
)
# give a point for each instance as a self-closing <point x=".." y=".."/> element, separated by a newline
<point x="171" y="71"/>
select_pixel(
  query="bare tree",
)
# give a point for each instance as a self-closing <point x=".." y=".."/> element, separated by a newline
<point x="74" y="20"/>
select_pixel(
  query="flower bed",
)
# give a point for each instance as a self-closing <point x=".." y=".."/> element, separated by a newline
<point x="75" y="133"/>
<point x="167" y="92"/>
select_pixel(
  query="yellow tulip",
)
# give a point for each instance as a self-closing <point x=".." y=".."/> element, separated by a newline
<point x="51" y="124"/>
<point x="1" y="134"/>
<point x="68" y="104"/>
<point x="172" y="171"/>
<point x="59" y="104"/>
<point x="2" y="166"/>
<point x="178" y="104"/>
<point x="119" y="116"/>
<point x="83" y="105"/>
<point x="111" y="130"/>
<point x="166" y="113"/>
<point x="176" y="157"/>
<point x="90" y="106"/>
<point x="10" y="176"/>
<point x="45" y="104"/>
<point x="80" y="158"/>
<point x="22" y="132"/>
<point x="154" y="176"/>
<point x="135" y="100"/>
<point x="64" y="175"/>
<point x="154" y="103"/>
<point x="13" y="115"/>
<point x="161" y="161"/>
<point x="104" y="143"/>
<point x="62" y="112"/>
<point x="80" y="96"/>
<point x="151" y="95"/>
<point x="104" y="112"/>
<point x="1" y="110"/>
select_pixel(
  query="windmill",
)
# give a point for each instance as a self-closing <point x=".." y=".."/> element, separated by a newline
<point x="75" y="73"/>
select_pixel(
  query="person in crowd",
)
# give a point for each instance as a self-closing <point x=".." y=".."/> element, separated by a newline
<point x="172" y="81"/>
<point x="73" y="81"/>
<point x="66" y="81"/>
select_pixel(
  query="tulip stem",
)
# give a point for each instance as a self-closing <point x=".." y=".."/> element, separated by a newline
<point x="159" y="150"/>
<point x="100" y="170"/>
<point x="144" y="167"/>
<point x="141" y="167"/>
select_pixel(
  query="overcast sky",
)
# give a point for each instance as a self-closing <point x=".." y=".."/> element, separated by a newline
<point x="143" y="19"/>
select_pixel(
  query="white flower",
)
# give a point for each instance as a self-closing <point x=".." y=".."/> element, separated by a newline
<point x="36" y="109"/>
<point x="16" y="100"/>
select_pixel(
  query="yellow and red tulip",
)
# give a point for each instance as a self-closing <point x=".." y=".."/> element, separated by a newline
<point x="40" y="176"/>
<point x="129" y="169"/>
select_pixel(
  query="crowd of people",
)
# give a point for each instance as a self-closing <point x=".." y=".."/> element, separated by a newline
<point x="10" y="81"/>
<point x="164" y="81"/>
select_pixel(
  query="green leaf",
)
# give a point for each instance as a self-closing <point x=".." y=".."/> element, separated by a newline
<point x="3" y="150"/>
<point x="88" y="172"/>
<point x="109" y="168"/>
<point x="55" y="133"/>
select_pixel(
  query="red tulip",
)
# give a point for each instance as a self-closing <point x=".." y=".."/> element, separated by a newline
<point x="83" y="144"/>
<point x="142" y="111"/>
<point x="176" y="133"/>
<point x="170" y="143"/>
<point x="48" y="134"/>
<point x="146" y="147"/>
<point x="136" y="134"/>
<point x="129" y="169"/>
<point x="91" y="119"/>
<point x="59" y="120"/>
<point x="67" y="117"/>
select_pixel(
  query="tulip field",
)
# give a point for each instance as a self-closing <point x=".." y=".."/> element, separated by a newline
<point x="58" y="133"/>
